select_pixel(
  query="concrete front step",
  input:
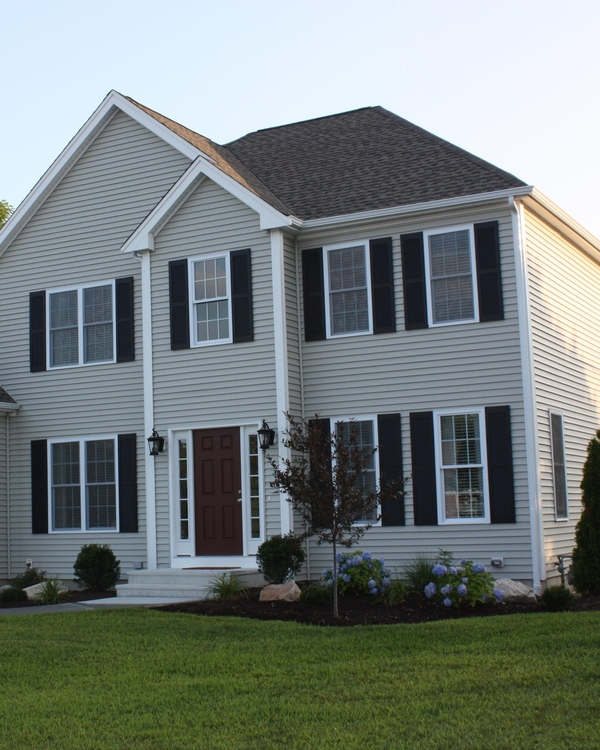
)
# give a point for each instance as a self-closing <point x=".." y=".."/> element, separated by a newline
<point x="188" y="584"/>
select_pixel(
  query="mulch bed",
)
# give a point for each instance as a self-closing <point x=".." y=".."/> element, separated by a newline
<point x="362" y="610"/>
<point x="76" y="596"/>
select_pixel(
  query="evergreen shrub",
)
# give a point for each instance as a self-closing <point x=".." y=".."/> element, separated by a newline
<point x="280" y="558"/>
<point x="586" y="555"/>
<point x="97" y="567"/>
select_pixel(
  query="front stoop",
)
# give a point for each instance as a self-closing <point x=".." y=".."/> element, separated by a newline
<point x="183" y="585"/>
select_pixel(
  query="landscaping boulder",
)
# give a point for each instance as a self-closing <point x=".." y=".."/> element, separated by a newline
<point x="515" y="591"/>
<point x="285" y="592"/>
<point x="6" y="586"/>
<point x="33" y="591"/>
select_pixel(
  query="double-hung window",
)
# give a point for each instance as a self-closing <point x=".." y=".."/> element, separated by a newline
<point x="462" y="476"/>
<point x="81" y="325"/>
<point x="363" y="433"/>
<point x="211" y="300"/>
<point x="83" y="485"/>
<point x="348" y="296"/>
<point x="450" y="267"/>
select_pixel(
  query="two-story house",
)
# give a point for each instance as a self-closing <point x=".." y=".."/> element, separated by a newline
<point x="354" y="266"/>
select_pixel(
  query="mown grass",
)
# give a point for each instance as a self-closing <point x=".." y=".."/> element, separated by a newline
<point x="143" y="679"/>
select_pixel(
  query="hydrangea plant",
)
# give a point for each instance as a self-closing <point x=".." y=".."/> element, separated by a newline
<point x="466" y="584"/>
<point x="360" y="573"/>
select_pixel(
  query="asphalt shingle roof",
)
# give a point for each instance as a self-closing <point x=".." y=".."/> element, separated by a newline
<point x="361" y="160"/>
<point x="5" y="398"/>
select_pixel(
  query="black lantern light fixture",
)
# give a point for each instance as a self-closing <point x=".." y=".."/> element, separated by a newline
<point x="266" y="436"/>
<point x="156" y="443"/>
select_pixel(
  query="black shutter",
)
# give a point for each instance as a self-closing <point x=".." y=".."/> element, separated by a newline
<point x="382" y="286"/>
<point x="489" y="278"/>
<point x="390" y="466"/>
<point x="241" y="299"/>
<point x="314" y="295"/>
<point x="500" y="464"/>
<point x="414" y="282"/>
<point x="37" y="331"/>
<point x="124" y="316"/>
<point x="39" y="487"/>
<point x="128" y="505"/>
<point x="423" y="468"/>
<point x="178" y="304"/>
<point x="325" y="429"/>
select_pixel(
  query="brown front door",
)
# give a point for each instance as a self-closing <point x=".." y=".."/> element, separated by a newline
<point x="218" y="485"/>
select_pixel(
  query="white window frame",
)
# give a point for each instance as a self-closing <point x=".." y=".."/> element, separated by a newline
<point x="82" y="484"/>
<point x="192" y="304"/>
<point x="333" y="421"/>
<point x="447" y="230"/>
<point x="79" y="288"/>
<point x="439" y="466"/>
<point x="341" y="246"/>
<point x="551" y="413"/>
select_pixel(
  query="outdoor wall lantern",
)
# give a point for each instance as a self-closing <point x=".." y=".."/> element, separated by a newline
<point x="156" y="443"/>
<point x="266" y="436"/>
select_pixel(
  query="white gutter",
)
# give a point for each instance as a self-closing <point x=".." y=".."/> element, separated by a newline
<point x="148" y="385"/>
<point x="281" y="362"/>
<point x="529" y="397"/>
<point x="416" y="208"/>
<point x="8" y="549"/>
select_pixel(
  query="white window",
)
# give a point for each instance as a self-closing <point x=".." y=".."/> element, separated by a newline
<point x="254" y="484"/>
<point x="364" y="430"/>
<point x="462" y="476"/>
<point x="83" y="485"/>
<point x="450" y="268"/>
<point x="211" y="300"/>
<point x="81" y="325"/>
<point x="559" y="469"/>
<point x="348" y="298"/>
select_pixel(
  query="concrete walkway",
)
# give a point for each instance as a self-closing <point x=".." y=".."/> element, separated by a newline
<point x="113" y="602"/>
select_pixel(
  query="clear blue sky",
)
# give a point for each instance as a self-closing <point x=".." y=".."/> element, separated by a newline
<point x="517" y="83"/>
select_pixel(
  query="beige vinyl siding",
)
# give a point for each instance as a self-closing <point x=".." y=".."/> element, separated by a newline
<point x="219" y="384"/>
<point x="3" y="499"/>
<point x="458" y="366"/>
<point x="564" y="290"/>
<point x="75" y="238"/>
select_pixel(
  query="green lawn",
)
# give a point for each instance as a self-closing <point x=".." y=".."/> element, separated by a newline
<point x="141" y="679"/>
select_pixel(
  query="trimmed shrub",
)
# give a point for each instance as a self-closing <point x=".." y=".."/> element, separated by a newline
<point x="225" y="587"/>
<point x="557" y="598"/>
<point x="97" y="567"/>
<point x="280" y="558"/>
<point x="314" y="594"/>
<point x="13" y="594"/>
<point x="586" y="571"/>
<point x="29" y="578"/>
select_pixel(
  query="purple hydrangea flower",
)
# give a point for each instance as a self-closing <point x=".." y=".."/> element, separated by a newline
<point x="340" y="557"/>
<point x="439" y="570"/>
<point x="371" y="584"/>
<point x="499" y="594"/>
<point x="329" y="582"/>
<point x="373" y="590"/>
<point x="382" y="562"/>
<point x="325" y="573"/>
<point x="366" y="556"/>
<point x="462" y="589"/>
<point x="430" y="590"/>
<point x="356" y="560"/>
<point x="447" y="602"/>
<point x="346" y="578"/>
<point x="445" y="590"/>
<point x="465" y="580"/>
<point x="454" y="571"/>
<point x="465" y="561"/>
<point x="478" y="568"/>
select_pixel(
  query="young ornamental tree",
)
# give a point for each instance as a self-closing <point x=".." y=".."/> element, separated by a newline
<point x="327" y="483"/>
<point x="586" y="555"/>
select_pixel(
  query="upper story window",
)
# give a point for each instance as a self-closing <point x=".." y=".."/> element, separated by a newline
<point x="462" y="472"/>
<point x="450" y="268"/>
<point x="348" y="298"/>
<point x="211" y="300"/>
<point x="81" y="325"/>
<point x="83" y="485"/>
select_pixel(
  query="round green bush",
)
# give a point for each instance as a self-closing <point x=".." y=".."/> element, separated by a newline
<point x="97" y="567"/>
<point x="280" y="558"/>
<point x="314" y="594"/>
<point x="557" y="598"/>
<point x="13" y="594"/>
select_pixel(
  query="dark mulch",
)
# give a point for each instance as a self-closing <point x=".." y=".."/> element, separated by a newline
<point x="362" y="610"/>
<point x="76" y="596"/>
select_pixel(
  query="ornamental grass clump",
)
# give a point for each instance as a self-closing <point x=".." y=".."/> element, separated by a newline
<point x="359" y="573"/>
<point x="466" y="584"/>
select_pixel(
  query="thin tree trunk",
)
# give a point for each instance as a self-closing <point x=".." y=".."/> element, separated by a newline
<point x="335" y="581"/>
